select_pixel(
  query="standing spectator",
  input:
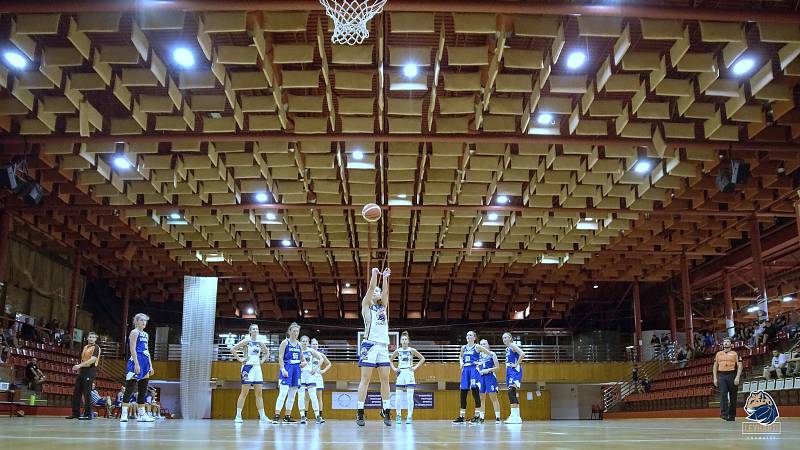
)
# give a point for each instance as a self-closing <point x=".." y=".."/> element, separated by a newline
<point x="87" y="371"/>
<point x="99" y="400"/>
<point x="34" y="377"/>
<point x="771" y="330"/>
<point x="5" y="350"/>
<point x="726" y="371"/>
<point x="681" y="357"/>
<point x="656" y="344"/>
<point x="709" y="341"/>
<point x="777" y="367"/>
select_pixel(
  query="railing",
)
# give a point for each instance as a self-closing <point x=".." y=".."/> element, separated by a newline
<point x="616" y="392"/>
<point x="433" y="353"/>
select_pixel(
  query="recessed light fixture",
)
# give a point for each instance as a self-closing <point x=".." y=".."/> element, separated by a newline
<point x="576" y="59"/>
<point x="788" y="298"/>
<point x="121" y="162"/>
<point x="305" y="311"/>
<point x="250" y="311"/>
<point x="642" y="167"/>
<point x="410" y="70"/>
<point x="241" y="289"/>
<point x="271" y="216"/>
<point x="596" y="286"/>
<point x="183" y="56"/>
<point x="358" y="155"/>
<point x="261" y="197"/>
<point x="175" y="216"/>
<point x="502" y="199"/>
<point x="347" y="285"/>
<point x="15" y="59"/>
<point x="478" y="244"/>
<point x="286" y="242"/>
<point x="743" y="66"/>
<point x="544" y="119"/>
<point x="492" y="216"/>
<point x="401" y="196"/>
<point x="752" y="309"/>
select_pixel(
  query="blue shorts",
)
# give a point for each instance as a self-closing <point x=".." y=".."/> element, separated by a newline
<point x="513" y="377"/>
<point x="293" y="379"/>
<point x="470" y="377"/>
<point x="144" y="364"/>
<point x="488" y="383"/>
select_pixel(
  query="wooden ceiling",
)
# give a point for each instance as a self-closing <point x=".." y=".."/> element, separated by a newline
<point x="272" y="107"/>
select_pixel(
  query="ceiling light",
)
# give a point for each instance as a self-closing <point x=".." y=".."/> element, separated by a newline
<point x="175" y="216"/>
<point x="305" y="311"/>
<point x="271" y="216"/>
<point x="347" y="285"/>
<point x="16" y="59"/>
<point x="587" y="225"/>
<point x="261" y="197"/>
<point x="576" y="59"/>
<point x="550" y="260"/>
<point x="478" y="244"/>
<point x="358" y="155"/>
<point x="183" y="56"/>
<point x="596" y="286"/>
<point x="752" y="309"/>
<point x="121" y="162"/>
<point x="788" y="298"/>
<point x="410" y="70"/>
<point x="401" y="196"/>
<point x="286" y="242"/>
<point x="544" y="119"/>
<point x="502" y="199"/>
<point x="241" y="289"/>
<point x="743" y="66"/>
<point x="642" y="167"/>
<point x="492" y="216"/>
<point x="250" y="311"/>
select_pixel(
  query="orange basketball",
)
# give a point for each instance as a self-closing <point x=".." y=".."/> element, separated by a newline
<point x="371" y="212"/>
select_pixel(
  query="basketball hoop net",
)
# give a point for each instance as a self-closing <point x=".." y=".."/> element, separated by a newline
<point x="350" y="18"/>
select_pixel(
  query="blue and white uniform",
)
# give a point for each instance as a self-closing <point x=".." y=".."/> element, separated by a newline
<point x="513" y="375"/>
<point x="469" y="373"/>
<point x="309" y="370"/>
<point x="251" y="368"/>
<point x="405" y="376"/>
<point x="489" y="380"/>
<point x="291" y="362"/>
<point x="143" y="356"/>
<point x="374" y="351"/>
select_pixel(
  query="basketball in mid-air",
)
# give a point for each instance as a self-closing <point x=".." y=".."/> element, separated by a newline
<point x="371" y="212"/>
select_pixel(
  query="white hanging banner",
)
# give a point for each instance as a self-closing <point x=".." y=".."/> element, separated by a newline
<point x="197" y="345"/>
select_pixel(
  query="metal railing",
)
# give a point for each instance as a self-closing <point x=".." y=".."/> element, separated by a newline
<point x="433" y="353"/>
<point x="614" y="393"/>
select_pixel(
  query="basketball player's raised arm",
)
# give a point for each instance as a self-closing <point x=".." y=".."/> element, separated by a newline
<point x="419" y="356"/>
<point x="281" y="351"/>
<point x="366" y="302"/>
<point x="515" y="348"/>
<point x="387" y="272"/>
<point x="391" y="360"/>
<point x="132" y="339"/>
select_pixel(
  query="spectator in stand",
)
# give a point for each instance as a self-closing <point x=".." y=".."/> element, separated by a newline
<point x="5" y="350"/>
<point x="99" y="400"/>
<point x="771" y="331"/>
<point x="646" y="385"/>
<point x="756" y="337"/>
<point x="28" y="332"/>
<point x="33" y="376"/>
<point x="727" y="371"/>
<point x="10" y="335"/>
<point x="656" y="344"/>
<point x="777" y="367"/>
<point x="87" y="371"/>
<point x="681" y="357"/>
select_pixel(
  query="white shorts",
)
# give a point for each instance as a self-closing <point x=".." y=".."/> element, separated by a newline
<point x="308" y="379"/>
<point x="319" y="381"/>
<point x="373" y="354"/>
<point x="406" y="378"/>
<point x="251" y="374"/>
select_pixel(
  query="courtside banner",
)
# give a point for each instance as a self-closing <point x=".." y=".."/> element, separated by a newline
<point x="349" y="400"/>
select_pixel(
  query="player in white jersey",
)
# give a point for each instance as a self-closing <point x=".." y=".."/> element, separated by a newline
<point x="405" y="376"/>
<point x="374" y="349"/>
<point x="255" y="354"/>
<point x="308" y="379"/>
<point x="318" y="379"/>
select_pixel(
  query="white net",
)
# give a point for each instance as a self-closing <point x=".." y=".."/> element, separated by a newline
<point x="197" y="345"/>
<point x="350" y="19"/>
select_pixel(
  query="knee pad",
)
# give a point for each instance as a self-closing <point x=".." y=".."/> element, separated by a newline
<point x="464" y="399"/>
<point x="512" y="395"/>
<point x="476" y="395"/>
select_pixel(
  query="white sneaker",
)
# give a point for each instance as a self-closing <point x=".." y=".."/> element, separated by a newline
<point x="123" y="418"/>
<point x="513" y="420"/>
<point x="264" y="419"/>
<point x="145" y="418"/>
<point x="238" y="419"/>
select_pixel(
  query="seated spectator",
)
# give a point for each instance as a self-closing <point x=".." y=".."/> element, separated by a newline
<point x="681" y="357"/>
<point x="5" y="350"/>
<point x="777" y="368"/>
<point x="10" y="335"/>
<point x="33" y="376"/>
<point x="793" y="364"/>
<point x="656" y="344"/>
<point x="103" y="402"/>
<point x="756" y="337"/>
<point x="151" y="403"/>
<point x="771" y="331"/>
<point x="646" y="385"/>
<point x="28" y="332"/>
<point x="635" y="374"/>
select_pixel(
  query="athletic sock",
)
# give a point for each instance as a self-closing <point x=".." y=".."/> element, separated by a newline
<point x="359" y="405"/>
<point x="387" y="404"/>
<point x="462" y="412"/>
<point x="481" y="414"/>
<point x="409" y="401"/>
<point x="497" y="414"/>
<point x="238" y="412"/>
<point x="124" y="412"/>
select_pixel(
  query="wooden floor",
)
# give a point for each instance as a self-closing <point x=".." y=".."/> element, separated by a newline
<point x="647" y="434"/>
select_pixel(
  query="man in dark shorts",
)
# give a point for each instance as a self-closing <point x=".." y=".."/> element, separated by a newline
<point x="727" y="370"/>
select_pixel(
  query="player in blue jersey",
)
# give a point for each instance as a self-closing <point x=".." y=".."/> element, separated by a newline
<point x="374" y="348"/>
<point x="405" y="376"/>
<point x="255" y="353"/>
<point x="487" y="368"/>
<point x="514" y="357"/>
<point x="139" y="369"/>
<point x="308" y="379"/>
<point x="468" y="357"/>
<point x="290" y="362"/>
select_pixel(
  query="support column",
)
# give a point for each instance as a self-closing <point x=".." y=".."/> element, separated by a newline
<point x="637" y="321"/>
<point x="728" y="303"/>
<point x="126" y="300"/>
<point x="686" y="295"/>
<point x="758" y="266"/>
<point x="673" y="319"/>
<point x="74" y="291"/>
<point x="5" y="232"/>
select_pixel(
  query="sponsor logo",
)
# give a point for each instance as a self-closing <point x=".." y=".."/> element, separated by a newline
<point x="762" y="415"/>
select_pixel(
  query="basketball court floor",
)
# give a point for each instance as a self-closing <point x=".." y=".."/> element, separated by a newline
<point x="36" y="433"/>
